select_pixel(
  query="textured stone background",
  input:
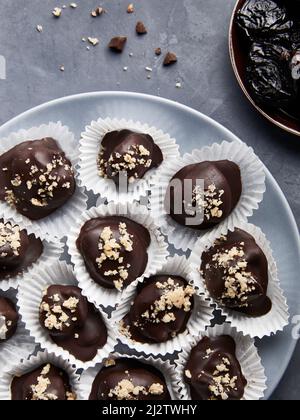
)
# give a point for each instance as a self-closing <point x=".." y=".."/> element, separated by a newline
<point x="195" y="29"/>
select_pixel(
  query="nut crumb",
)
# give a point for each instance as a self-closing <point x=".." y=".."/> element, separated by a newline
<point x="93" y="41"/>
<point x="97" y="12"/>
<point x="39" y="28"/>
<point x="73" y="5"/>
<point x="130" y="8"/>
<point x="56" y="12"/>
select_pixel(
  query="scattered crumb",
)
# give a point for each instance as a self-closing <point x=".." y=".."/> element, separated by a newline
<point x="56" y="12"/>
<point x="130" y="54"/>
<point x="83" y="39"/>
<point x="125" y="68"/>
<point x="170" y="58"/>
<point x="93" y="41"/>
<point x="117" y="43"/>
<point x="62" y="68"/>
<point x="73" y="5"/>
<point x="178" y="85"/>
<point x="140" y="28"/>
<point x="149" y="76"/>
<point x="148" y="69"/>
<point x="39" y="28"/>
<point x="130" y="8"/>
<point x="97" y="12"/>
<point x="157" y="51"/>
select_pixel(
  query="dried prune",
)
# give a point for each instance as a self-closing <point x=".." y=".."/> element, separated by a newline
<point x="263" y="18"/>
<point x="261" y="52"/>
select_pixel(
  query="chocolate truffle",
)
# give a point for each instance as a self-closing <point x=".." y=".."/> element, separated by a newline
<point x="222" y="191"/>
<point x="235" y="271"/>
<point x="18" y="250"/>
<point x="127" y="379"/>
<point x="45" y="383"/>
<point x="128" y="153"/>
<point x="8" y="319"/>
<point x="114" y="250"/>
<point x="160" y="311"/>
<point x="72" y="322"/>
<point x="36" y="178"/>
<point x="213" y="372"/>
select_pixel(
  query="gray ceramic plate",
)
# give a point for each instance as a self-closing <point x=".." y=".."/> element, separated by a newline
<point x="192" y="130"/>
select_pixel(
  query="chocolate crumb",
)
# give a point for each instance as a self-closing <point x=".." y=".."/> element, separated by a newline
<point x="117" y="43"/>
<point x="130" y="8"/>
<point x="140" y="28"/>
<point x="170" y="59"/>
<point x="158" y="51"/>
<point x="97" y="12"/>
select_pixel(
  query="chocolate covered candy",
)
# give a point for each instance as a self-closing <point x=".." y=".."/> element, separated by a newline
<point x="9" y="318"/>
<point x="36" y="178"/>
<point x="114" y="250"/>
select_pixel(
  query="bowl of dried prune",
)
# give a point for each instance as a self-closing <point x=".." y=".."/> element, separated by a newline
<point x="264" y="47"/>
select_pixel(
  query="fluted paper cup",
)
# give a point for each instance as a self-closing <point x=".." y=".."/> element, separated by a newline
<point x="201" y="315"/>
<point x="165" y="367"/>
<point x="16" y="368"/>
<point x="30" y="296"/>
<point x="58" y="224"/>
<point x="90" y="146"/>
<point x="246" y="354"/>
<point x="157" y="252"/>
<point x="253" y="188"/>
<point x="265" y="325"/>
<point x="20" y="345"/>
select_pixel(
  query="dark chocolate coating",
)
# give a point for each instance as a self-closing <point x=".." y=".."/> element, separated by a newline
<point x="36" y="178"/>
<point x="202" y="369"/>
<point x="58" y="389"/>
<point x="224" y="175"/>
<point x="84" y="332"/>
<point x="87" y="244"/>
<point x="253" y="302"/>
<point x="18" y="250"/>
<point x="138" y="373"/>
<point x="9" y="312"/>
<point x="115" y="148"/>
<point x="153" y="329"/>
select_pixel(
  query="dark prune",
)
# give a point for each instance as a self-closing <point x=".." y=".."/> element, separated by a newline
<point x="270" y="82"/>
<point x="261" y="52"/>
<point x="263" y="18"/>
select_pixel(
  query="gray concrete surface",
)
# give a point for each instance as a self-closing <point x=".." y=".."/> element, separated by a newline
<point x="195" y="29"/>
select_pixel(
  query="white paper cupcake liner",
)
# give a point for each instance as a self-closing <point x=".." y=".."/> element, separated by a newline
<point x="30" y="296"/>
<point x="52" y="252"/>
<point x="20" y="345"/>
<point x="200" y="318"/>
<point x="58" y="224"/>
<point x="246" y="354"/>
<point x="90" y="146"/>
<point x="265" y="325"/>
<point x="253" y="182"/>
<point x="14" y="368"/>
<point x="165" y="367"/>
<point x="157" y="251"/>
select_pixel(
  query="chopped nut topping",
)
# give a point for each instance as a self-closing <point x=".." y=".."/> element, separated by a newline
<point x="188" y="374"/>
<point x="209" y="201"/>
<point x="10" y="235"/>
<point x="55" y="317"/>
<point x="126" y="390"/>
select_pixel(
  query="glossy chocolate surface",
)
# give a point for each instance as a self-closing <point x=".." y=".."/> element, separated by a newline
<point x="114" y="250"/>
<point x="128" y="379"/>
<point x="9" y="318"/>
<point x="128" y="152"/>
<point x="235" y="270"/>
<point x="160" y="310"/>
<point x="213" y="372"/>
<point x="72" y="322"/>
<point x="18" y="250"/>
<point x="222" y="191"/>
<point x="36" y="178"/>
<point x="44" y="383"/>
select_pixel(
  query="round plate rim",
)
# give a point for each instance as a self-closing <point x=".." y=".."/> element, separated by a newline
<point x="198" y="114"/>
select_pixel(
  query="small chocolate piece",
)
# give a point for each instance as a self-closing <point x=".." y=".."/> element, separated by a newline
<point x="97" y="12"/>
<point x="36" y="178"/>
<point x="127" y="379"/>
<point x="158" y="51"/>
<point x="126" y="152"/>
<point x="170" y="58"/>
<point x="72" y="322"/>
<point x="222" y="191"/>
<point x="235" y="271"/>
<point x="117" y="43"/>
<point x="45" y="383"/>
<point x="160" y="311"/>
<point x="18" y="250"/>
<point x="114" y="250"/>
<point x="8" y="319"/>
<point x="140" y="28"/>
<point x="213" y="372"/>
